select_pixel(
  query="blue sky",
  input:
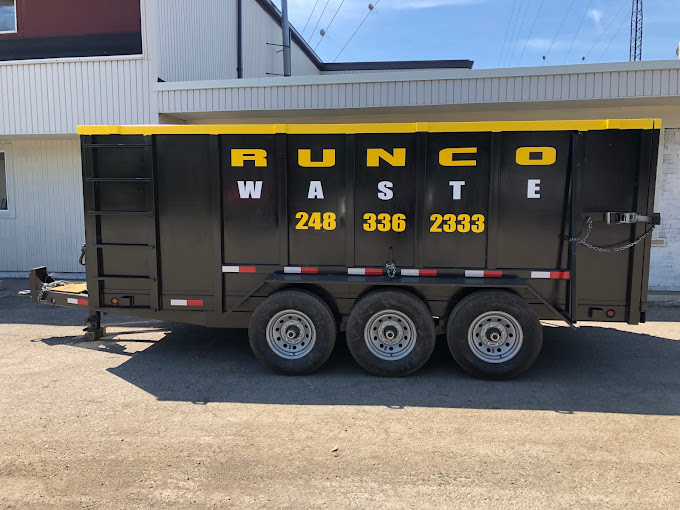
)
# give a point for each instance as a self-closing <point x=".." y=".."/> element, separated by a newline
<point x="490" y="32"/>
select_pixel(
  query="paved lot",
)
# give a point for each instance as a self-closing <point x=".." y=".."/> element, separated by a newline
<point x="164" y="415"/>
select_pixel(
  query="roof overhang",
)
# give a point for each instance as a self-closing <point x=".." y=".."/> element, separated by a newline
<point x="644" y="89"/>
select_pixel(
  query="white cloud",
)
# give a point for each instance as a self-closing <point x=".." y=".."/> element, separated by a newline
<point x="538" y="44"/>
<point x="595" y="15"/>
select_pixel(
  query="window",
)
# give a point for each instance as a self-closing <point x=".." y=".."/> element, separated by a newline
<point x="6" y="205"/>
<point x="8" y="16"/>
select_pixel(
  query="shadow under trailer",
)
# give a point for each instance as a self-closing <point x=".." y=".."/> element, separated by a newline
<point x="391" y="232"/>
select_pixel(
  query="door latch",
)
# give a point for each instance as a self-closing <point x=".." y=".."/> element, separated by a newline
<point x="613" y="218"/>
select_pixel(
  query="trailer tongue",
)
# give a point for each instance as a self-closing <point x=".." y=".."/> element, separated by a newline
<point x="390" y="231"/>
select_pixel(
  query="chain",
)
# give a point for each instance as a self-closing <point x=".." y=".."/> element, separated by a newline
<point x="47" y="286"/>
<point x="589" y="221"/>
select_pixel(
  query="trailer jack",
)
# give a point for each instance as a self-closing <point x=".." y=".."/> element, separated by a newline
<point x="94" y="330"/>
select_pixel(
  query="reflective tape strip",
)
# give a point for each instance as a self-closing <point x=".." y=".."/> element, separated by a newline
<point x="477" y="273"/>
<point x="74" y="301"/>
<point x="419" y="272"/>
<point x="301" y="270"/>
<point x="238" y="269"/>
<point x="471" y="273"/>
<point x="186" y="302"/>
<point x="563" y="275"/>
<point x="365" y="271"/>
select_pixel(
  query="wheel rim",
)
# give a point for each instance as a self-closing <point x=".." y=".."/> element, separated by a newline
<point x="291" y="334"/>
<point x="495" y="337"/>
<point x="390" y="335"/>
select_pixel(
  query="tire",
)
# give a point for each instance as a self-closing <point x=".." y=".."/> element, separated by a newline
<point x="494" y="334"/>
<point x="392" y="351"/>
<point x="294" y="312"/>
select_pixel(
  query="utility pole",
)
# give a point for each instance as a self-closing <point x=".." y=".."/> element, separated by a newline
<point x="285" y="27"/>
<point x="635" y="31"/>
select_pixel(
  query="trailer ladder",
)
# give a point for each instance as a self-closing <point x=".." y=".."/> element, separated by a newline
<point x="95" y="185"/>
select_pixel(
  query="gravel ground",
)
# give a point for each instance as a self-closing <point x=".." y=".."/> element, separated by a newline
<point x="161" y="415"/>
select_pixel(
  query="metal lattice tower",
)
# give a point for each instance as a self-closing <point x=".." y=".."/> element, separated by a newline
<point x="636" y="31"/>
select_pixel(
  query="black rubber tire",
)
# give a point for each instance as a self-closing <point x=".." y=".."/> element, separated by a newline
<point x="405" y="303"/>
<point x="474" y="305"/>
<point x="318" y="312"/>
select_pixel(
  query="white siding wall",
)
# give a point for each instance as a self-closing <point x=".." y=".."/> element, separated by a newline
<point x="665" y="264"/>
<point x="300" y="64"/>
<point x="54" y="96"/>
<point x="48" y="226"/>
<point x="197" y="39"/>
<point x="259" y="58"/>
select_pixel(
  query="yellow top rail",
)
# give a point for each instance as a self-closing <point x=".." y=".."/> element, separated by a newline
<point x="411" y="127"/>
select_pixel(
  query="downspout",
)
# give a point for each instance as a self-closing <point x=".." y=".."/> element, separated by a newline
<point x="239" y="42"/>
<point x="285" y="28"/>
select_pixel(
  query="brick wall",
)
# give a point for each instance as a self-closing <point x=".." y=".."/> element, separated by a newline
<point x="665" y="264"/>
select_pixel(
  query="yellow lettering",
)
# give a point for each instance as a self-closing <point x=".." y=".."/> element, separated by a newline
<point x="397" y="158"/>
<point x="536" y="156"/>
<point x="238" y="156"/>
<point x="305" y="158"/>
<point x="446" y="156"/>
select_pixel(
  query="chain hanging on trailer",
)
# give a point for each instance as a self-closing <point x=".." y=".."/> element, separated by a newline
<point x="48" y="286"/>
<point x="583" y="241"/>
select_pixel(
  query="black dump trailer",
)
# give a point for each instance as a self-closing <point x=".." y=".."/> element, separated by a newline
<point x="391" y="232"/>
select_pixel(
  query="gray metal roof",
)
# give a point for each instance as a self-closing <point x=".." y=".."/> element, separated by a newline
<point x="630" y="83"/>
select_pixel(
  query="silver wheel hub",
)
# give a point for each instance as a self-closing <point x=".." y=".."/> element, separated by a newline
<point x="390" y="335"/>
<point x="291" y="334"/>
<point x="495" y="337"/>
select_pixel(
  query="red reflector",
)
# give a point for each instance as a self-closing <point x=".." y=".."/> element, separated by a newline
<point x="246" y="269"/>
<point x="373" y="271"/>
<point x="427" y="272"/>
<point x="559" y="274"/>
<point x="493" y="274"/>
<point x="611" y="313"/>
<point x="309" y="270"/>
<point x="82" y="302"/>
<point x="194" y="302"/>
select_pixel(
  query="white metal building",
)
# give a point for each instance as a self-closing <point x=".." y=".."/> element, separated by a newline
<point x="194" y="70"/>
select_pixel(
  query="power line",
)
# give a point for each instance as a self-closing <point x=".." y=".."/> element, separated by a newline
<point x="310" y="17"/>
<point x="623" y="4"/>
<point x="559" y="29"/>
<point x="519" y="32"/>
<point x="585" y="13"/>
<point x="507" y="30"/>
<point x="329" y="25"/>
<point x="512" y="31"/>
<point x="317" y="21"/>
<point x="625" y="20"/>
<point x="531" y="32"/>
<point x="370" y="10"/>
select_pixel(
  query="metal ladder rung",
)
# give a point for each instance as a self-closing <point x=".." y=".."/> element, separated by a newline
<point x="115" y="145"/>
<point x="118" y="179"/>
<point x="120" y="213"/>
<point x="149" y="278"/>
<point x="122" y="245"/>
